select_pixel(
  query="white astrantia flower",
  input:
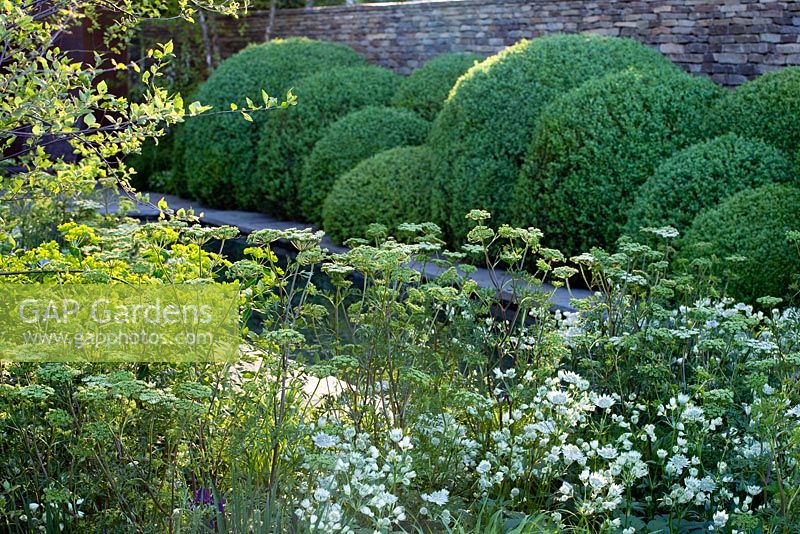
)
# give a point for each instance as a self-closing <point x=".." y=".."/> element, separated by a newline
<point x="753" y="490"/>
<point x="508" y="373"/>
<point x="439" y="497"/>
<point x="692" y="413"/>
<point x="608" y="452"/>
<point x="321" y="495"/>
<point x="794" y="411"/>
<point x="557" y="397"/>
<point x="677" y="464"/>
<point x="720" y="518"/>
<point x="573" y="454"/>
<point x="396" y="434"/>
<point x="323" y="440"/>
<point x="604" y="402"/>
<point x="597" y="480"/>
<point x="483" y="467"/>
<point x="569" y="377"/>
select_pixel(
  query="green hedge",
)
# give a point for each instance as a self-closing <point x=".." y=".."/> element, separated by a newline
<point x="752" y="223"/>
<point x="219" y="151"/>
<point x="389" y="188"/>
<point x="766" y="108"/>
<point x="288" y="138"/>
<point x="701" y="176"/>
<point x="348" y="141"/>
<point x="486" y="124"/>
<point x="597" y="144"/>
<point x="426" y="89"/>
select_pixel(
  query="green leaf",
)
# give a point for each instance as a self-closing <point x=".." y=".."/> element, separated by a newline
<point x="90" y="120"/>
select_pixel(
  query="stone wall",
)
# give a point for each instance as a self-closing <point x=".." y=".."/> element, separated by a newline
<point x="729" y="40"/>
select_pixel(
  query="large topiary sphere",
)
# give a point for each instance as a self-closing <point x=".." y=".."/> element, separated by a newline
<point x="752" y="223"/>
<point x="597" y="144"/>
<point x="700" y="176"/>
<point x="389" y="188"/>
<point x="766" y="108"/>
<point x="348" y="141"/>
<point x="426" y="89"/>
<point x="486" y="123"/>
<point x="288" y="138"/>
<point x="220" y="150"/>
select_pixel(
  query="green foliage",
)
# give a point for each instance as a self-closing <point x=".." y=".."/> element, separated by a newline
<point x="154" y="164"/>
<point x="597" y="144"/>
<point x="425" y="90"/>
<point x="288" y="138"/>
<point x="767" y="108"/>
<point x="219" y="152"/>
<point x="389" y="188"/>
<point x="747" y="235"/>
<point x="351" y="139"/>
<point x="415" y="389"/>
<point x="447" y="406"/>
<point x="485" y="126"/>
<point x="700" y="176"/>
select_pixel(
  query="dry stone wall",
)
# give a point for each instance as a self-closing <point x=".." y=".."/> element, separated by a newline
<point x="729" y="40"/>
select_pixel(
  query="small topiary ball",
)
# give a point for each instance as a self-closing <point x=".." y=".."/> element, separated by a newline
<point x="426" y="89"/>
<point x="752" y="223"/>
<point x="597" y="144"/>
<point x="389" y="188"/>
<point x="767" y="108"/>
<point x="219" y="150"/>
<point x="700" y="176"/>
<point x="287" y="138"/>
<point x="351" y="139"/>
<point x="486" y="123"/>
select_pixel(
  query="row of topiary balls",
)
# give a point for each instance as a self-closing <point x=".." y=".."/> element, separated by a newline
<point x="586" y="137"/>
<point x="286" y="161"/>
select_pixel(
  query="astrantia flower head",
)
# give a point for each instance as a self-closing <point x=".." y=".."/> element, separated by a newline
<point x="569" y="377"/>
<point x="483" y="467"/>
<point x="557" y="397"/>
<point x="604" y="402"/>
<point x="439" y="497"/>
<point x="677" y="464"/>
<point x="692" y="413"/>
<point x="323" y="440"/>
